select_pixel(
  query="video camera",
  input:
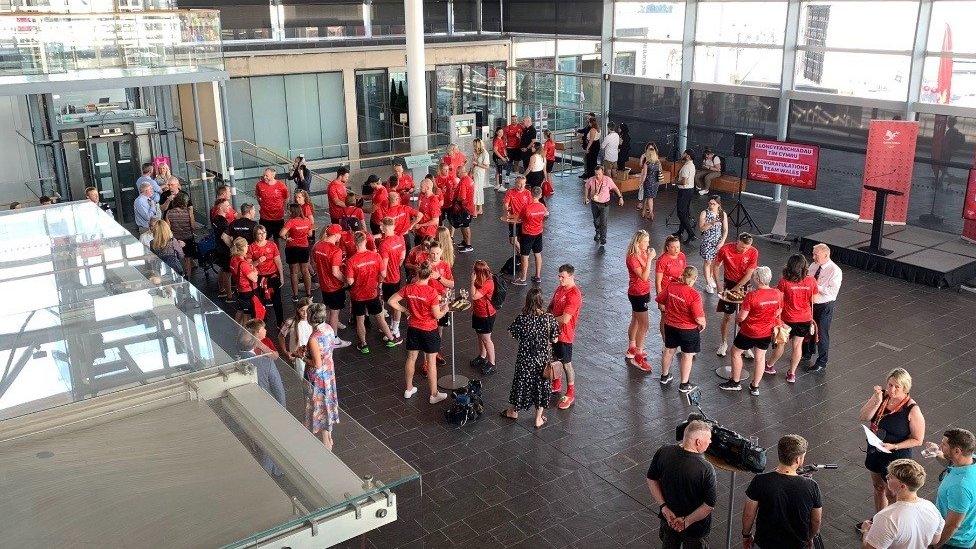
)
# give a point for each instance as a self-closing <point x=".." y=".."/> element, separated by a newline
<point x="727" y="445"/>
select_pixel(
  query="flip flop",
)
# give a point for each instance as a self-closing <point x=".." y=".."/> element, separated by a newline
<point x="544" y="421"/>
<point x="504" y="414"/>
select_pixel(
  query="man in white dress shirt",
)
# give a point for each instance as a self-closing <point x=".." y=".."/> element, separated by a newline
<point x="611" y="150"/>
<point x="829" y="277"/>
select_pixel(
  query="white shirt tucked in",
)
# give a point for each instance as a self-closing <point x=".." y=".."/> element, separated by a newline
<point x="828" y="283"/>
<point x="611" y="146"/>
<point x="686" y="176"/>
<point x="905" y="525"/>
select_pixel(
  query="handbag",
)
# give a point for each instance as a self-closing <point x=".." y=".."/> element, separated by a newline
<point x="781" y="334"/>
<point x="547" y="189"/>
<point x="553" y="370"/>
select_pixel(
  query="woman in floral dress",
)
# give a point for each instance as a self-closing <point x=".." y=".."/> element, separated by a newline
<point x="321" y="399"/>
<point x="535" y="329"/>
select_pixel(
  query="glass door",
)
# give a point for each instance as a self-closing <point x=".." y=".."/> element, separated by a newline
<point x="372" y="111"/>
<point x="114" y="170"/>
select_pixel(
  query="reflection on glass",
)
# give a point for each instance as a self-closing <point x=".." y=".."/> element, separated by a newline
<point x="743" y="66"/>
<point x="659" y="20"/>
<point x="647" y="59"/>
<point x="741" y="22"/>
<point x="881" y="76"/>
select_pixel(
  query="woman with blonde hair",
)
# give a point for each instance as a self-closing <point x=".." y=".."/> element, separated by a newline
<point x="321" y="399"/>
<point x="640" y="257"/>
<point x="168" y="248"/>
<point x="446" y="244"/>
<point x="683" y="317"/>
<point x="896" y="419"/>
<point x="650" y="180"/>
<point x="246" y="278"/>
<point x="479" y="173"/>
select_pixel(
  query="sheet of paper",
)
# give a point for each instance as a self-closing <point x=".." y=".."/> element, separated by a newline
<point x="873" y="440"/>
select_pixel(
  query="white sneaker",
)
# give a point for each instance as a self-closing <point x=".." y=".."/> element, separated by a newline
<point x="748" y="354"/>
<point x="703" y="192"/>
<point x="709" y="288"/>
<point x="410" y="392"/>
<point x="341" y="343"/>
<point x="722" y="349"/>
<point x="342" y="326"/>
<point x="436" y="399"/>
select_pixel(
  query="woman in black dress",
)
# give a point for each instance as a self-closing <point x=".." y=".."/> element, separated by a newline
<point x="624" y="155"/>
<point x="592" y="149"/>
<point x="898" y="422"/>
<point x="536" y="330"/>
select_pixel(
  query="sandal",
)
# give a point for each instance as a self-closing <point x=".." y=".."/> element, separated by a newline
<point x="504" y="414"/>
<point x="544" y="421"/>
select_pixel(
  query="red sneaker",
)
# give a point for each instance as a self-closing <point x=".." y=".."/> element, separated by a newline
<point x="566" y="401"/>
<point x="631" y="351"/>
<point x="557" y="385"/>
<point x="641" y="362"/>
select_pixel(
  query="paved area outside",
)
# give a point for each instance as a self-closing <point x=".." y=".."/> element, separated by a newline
<point x="580" y="481"/>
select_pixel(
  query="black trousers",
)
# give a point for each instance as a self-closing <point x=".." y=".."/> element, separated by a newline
<point x="823" y="314"/>
<point x="684" y="212"/>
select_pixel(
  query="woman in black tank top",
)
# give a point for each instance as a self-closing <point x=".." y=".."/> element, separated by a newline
<point x="897" y="420"/>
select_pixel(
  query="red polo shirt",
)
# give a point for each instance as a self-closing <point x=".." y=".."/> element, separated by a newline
<point x="337" y="199"/>
<point x="761" y="306"/>
<point x="567" y="300"/>
<point x="326" y="256"/>
<point x="533" y="218"/>
<point x="682" y="306"/>
<point x="364" y="269"/>
<point x="271" y="199"/>
<point x="671" y="267"/>
<point x="736" y="263"/>
<point x="393" y="249"/>
<point x="419" y="300"/>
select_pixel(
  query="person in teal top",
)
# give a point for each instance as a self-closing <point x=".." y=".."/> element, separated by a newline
<point x="956" y="498"/>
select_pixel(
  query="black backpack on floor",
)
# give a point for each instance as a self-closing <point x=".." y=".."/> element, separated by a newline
<point x="466" y="404"/>
<point x="501" y="290"/>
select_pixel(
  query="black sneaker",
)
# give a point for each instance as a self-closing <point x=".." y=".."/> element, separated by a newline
<point x="730" y="386"/>
<point x="478" y="362"/>
<point x="666" y="378"/>
<point x="753" y="390"/>
<point x="464" y="248"/>
<point x="687" y="387"/>
<point x="596" y="238"/>
<point x="536" y="280"/>
<point x="487" y="368"/>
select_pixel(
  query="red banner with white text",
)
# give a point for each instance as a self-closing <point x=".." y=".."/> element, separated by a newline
<point x="889" y="163"/>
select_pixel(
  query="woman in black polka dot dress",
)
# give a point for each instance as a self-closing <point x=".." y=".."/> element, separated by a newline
<point x="536" y="330"/>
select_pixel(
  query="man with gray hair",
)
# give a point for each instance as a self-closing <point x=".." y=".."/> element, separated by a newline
<point x="829" y="278"/>
<point x="682" y="483"/>
<point x="758" y="315"/>
<point x="145" y="208"/>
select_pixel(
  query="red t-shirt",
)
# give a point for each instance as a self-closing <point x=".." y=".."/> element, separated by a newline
<point x="761" y="306"/>
<point x="735" y="263"/>
<point x="498" y="144"/>
<point x="797" y="299"/>
<point x="393" y="249"/>
<point x="444" y="269"/>
<point x="671" y="267"/>
<point x="381" y="201"/>
<point x="465" y="192"/>
<point x="402" y="216"/>
<point x="447" y="187"/>
<point x="327" y="255"/>
<point x="337" y="199"/>
<point x="298" y="229"/>
<point x="364" y="269"/>
<point x="455" y="161"/>
<point x="240" y="267"/>
<point x="637" y="285"/>
<point x="230" y="216"/>
<point x="550" y="147"/>
<point x="517" y="200"/>
<point x="533" y="218"/>
<point x="348" y="242"/>
<point x="682" y="306"/>
<point x="567" y="301"/>
<point x="430" y="207"/>
<point x="269" y="252"/>
<point x="308" y="211"/>
<point x="482" y="308"/>
<point x="353" y="211"/>
<point x="419" y="300"/>
<point x="271" y="198"/>
<point x="513" y="135"/>
<point x="405" y="188"/>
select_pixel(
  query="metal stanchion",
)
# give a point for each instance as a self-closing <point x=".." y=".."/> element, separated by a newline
<point x="453" y="381"/>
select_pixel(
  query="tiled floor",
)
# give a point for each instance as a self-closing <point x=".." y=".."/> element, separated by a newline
<point x="580" y="480"/>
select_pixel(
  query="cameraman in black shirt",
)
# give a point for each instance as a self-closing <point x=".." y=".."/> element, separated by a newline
<point x="683" y="484"/>
<point x="785" y="507"/>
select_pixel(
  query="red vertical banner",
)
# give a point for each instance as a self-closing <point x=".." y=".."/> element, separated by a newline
<point x="889" y="163"/>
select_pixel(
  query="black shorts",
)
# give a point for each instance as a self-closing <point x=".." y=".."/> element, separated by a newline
<point x="334" y="301"/>
<point x="425" y="341"/>
<point x="389" y="289"/>
<point x="273" y="228"/>
<point x="549" y="165"/>
<point x="562" y="352"/>
<point x="514" y="155"/>
<point x="482" y="325"/>
<point x="728" y="307"/>
<point x="295" y="255"/>
<point x="530" y="243"/>
<point x="460" y="220"/>
<point x="799" y="329"/>
<point x="689" y="340"/>
<point x="638" y="303"/>
<point x="244" y="303"/>
<point x="369" y="306"/>
<point x="745" y="342"/>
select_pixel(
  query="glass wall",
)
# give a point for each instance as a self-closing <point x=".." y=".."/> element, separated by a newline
<point x="651" y="114"/>
<point x="740" y="43"/>
<point x="477" y="88"/>
<point x="290" y="115"/>
<point x="320" y="19"/>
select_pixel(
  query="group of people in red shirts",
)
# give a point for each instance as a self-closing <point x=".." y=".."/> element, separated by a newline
<point x="759" y="309"/>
